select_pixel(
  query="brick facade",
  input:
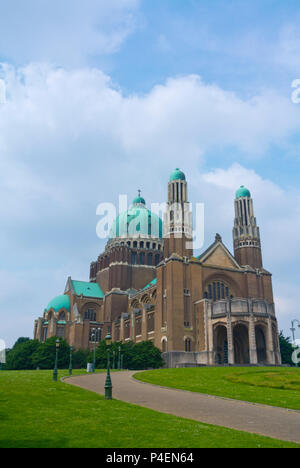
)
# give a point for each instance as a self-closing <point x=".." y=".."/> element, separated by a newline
<point x="214" y="309"/>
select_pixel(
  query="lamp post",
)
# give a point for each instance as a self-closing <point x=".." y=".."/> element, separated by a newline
<point x="293" y="329"/>
<point x="119" y="360"/>
<point x="55" y="372"/>
<point x="108" y="384"/>
<point x="71" y="356"/>
<point x="95" y="340"/>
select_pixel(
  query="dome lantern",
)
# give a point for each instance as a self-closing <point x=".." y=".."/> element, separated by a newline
<point x="243" y="192"/>
<point x="177" y="175"/>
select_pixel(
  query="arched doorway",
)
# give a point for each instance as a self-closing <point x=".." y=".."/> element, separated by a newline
<point x="221" y="345"/>
<point x="260" y="345"/>
<point x="241" y="344"/>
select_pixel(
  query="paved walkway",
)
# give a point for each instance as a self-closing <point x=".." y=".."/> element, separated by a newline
<point x="260" y="419"/>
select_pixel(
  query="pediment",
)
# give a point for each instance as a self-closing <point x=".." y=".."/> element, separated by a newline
<point x="217" y="255"/>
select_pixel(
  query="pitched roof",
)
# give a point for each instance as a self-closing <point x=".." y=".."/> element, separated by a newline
<point x="216" y="251"/>
<point x="152" y="283"/>
<point x="86" y="289"/>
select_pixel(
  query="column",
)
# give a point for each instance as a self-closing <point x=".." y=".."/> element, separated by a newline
<point x="270" y="346"/>
<point x="230" y="335"/>
<point x="144" y="325"/>
<point x="252" y="337"/>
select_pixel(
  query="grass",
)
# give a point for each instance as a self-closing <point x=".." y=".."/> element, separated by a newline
<point x="36" y="412"/>
<point x="269" y="386"/>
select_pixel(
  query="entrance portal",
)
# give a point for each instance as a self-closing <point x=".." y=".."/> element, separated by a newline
<point x="241" y="344"/>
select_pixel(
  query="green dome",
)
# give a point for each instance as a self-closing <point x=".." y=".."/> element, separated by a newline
<point x="138" y="201"/>
<point x="59" y="302"/>
<point x="138" y="221"/>
<point x="177" y="175"/>
<point x="243" y="192"/>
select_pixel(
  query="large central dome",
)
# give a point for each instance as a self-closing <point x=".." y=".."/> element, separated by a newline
<point x="137" y="222"/>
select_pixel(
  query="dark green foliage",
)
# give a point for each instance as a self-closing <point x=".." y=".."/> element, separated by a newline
<point x="135" y="356"/>
<point x="20" y="357"/>
<point x="44" y="355"/>
<point x="286" y="349"/>
<point x="31" y="354"/>
<point x="80" y="358"/>
<point x="21" y="340"/>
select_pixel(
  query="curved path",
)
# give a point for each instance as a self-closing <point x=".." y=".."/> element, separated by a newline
<point x="278" y="423"/>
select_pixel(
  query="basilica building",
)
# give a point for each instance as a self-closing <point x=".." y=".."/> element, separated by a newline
<point x="214" y="309"/>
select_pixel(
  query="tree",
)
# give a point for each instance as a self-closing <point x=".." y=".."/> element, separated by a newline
<point x="138" y="356"/>
<point x="286" y="349"/>
<point x="20" y="357"/>
<point x="44" y="355"/>
<point x="80" y="358"/>
<point x="20" y="341"/>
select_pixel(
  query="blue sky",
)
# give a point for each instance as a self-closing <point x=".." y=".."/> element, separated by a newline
<point x="109" y="97"/>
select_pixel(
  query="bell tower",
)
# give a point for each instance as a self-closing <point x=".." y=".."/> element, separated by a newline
<point x="178" y="222"/>
<point x="246" y="236"/>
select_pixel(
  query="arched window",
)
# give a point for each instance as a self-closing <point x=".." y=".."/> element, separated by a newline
<point x="188" y="346"/>
<point x="95" y="335"/>
<point x="142" y="258"/>
<point x="133" y="258"/>
<point x="157" y="258"/>
<point x="149" y="259"/>
<point x="217" y="291"/>
<point x="62" y="316"/>
<point x="91" y="315"/>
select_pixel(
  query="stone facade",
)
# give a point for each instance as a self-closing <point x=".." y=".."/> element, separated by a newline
<point x="215" y="309"/>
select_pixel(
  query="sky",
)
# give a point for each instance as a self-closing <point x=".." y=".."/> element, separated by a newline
<point x="105" y="98"/>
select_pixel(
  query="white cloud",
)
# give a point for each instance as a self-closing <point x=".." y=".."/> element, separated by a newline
<point x="70" y="139"/>
<point x="64" y="32"/>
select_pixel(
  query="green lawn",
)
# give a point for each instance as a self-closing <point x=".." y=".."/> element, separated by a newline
<point x="267" y="385"/>
<point x="36" y="412"/>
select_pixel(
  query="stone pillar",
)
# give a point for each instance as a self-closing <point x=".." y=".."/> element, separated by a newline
<point x="270" y="346"/>
<point x="230" y="335"/>
<point x="144" y="325"/>
<point x="113" y="331"/>
<point x="122" y="329"/>
<point x="210" y="334"/>
<point x="252" y="337"/>
<point x="132" y="326"/>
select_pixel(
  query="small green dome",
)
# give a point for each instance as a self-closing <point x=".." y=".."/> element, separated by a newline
<point x="138" y="201"/>
<point x="59" y="302"/>
<point x="243" y="192"/>
<point x="177" y="175"/>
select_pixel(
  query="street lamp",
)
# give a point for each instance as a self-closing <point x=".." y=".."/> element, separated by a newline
<point x="55" y="372"/>
<point x="108" y="384"/>
<point x="71" y="356"/>
<point x="114" y="355"/>
<point x="119" y="360"/>
<point x="94" y="335"/>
